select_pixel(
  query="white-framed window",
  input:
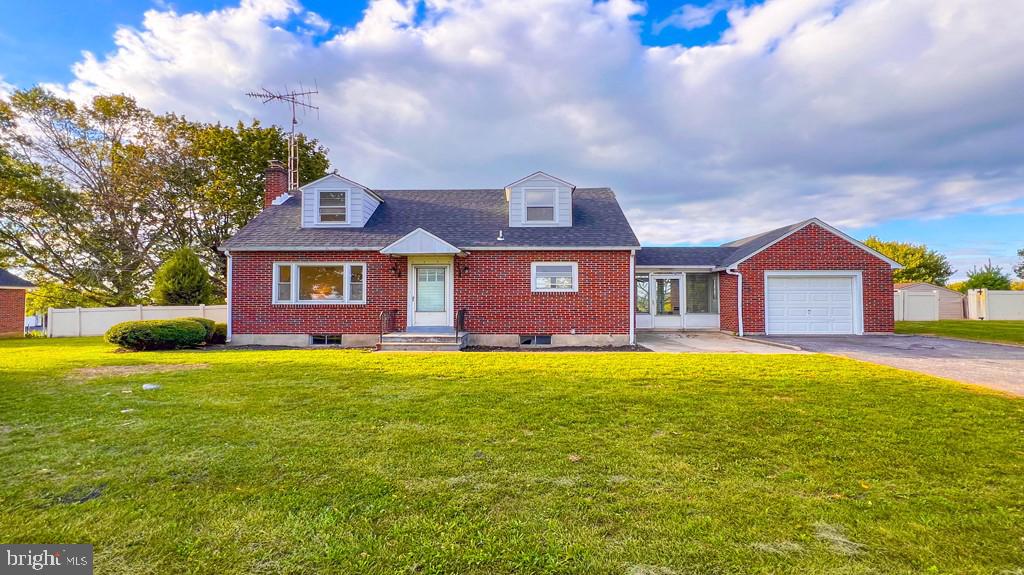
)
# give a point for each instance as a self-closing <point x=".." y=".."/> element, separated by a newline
<point x="540" y="204"/>
<point x="554" y="276"/>
<point x="332" y="206"/>
<point x="320" y="283"/>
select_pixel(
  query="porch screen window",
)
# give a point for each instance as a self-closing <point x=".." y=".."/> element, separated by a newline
<point x="540" y="205"/>
<point x="701" y="293"/>
<point x="643" y="294"/>
<point x="332" y="207"/>
<point x="320" y="283"/>
<point x="555" y="277"/>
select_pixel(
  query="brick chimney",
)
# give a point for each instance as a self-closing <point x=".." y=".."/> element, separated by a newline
<point x="275" y="182"/>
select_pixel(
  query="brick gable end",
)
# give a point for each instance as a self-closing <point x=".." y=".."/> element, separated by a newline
<point x="810" y="248"/>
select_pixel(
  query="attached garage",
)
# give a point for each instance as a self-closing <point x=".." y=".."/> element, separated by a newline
<point x="822" y="303"/>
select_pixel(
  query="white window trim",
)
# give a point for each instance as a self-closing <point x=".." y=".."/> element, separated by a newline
<point x="348" y="206"/>
<point x="554" y="204"/>
<point x="295" y="283"/>
<point x="575" y="277"/>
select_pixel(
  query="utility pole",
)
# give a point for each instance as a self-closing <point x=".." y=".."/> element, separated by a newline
<point x="297" y="99"/>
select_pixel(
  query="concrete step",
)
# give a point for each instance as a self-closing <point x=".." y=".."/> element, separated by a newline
<point x="420" y="347"/>
<point x="403" y="341"/>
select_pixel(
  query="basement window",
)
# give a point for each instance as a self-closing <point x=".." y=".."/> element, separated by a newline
<point x="535" y="340"/>
<point x="325" y="340"/>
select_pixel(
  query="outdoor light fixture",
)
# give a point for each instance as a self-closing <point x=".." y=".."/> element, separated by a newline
<point x="396" y="269"/>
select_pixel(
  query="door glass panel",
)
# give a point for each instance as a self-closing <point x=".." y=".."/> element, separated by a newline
<point x="667" y="296"/>
<point x="430" y="290"/>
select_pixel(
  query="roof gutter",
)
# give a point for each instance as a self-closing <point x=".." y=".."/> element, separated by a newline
<point x="739" y="296"/>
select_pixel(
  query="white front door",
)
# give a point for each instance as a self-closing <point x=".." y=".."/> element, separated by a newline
<point x="810" y="305"/>
<point x="667" y="296"/>
<point x="430" y="295"/>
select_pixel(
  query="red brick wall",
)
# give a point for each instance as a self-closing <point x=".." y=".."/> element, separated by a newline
<point x="498" y="295"/>
<point x="495" y="291"/>
<point x="727" y="312"/>
<point x="812" y="248"/>
<point x="252" y="277"/>
<point x="12" y="312"/>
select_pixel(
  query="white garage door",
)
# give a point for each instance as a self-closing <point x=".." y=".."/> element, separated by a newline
<point x="810" y="305"/>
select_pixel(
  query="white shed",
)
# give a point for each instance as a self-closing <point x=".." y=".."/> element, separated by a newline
<point x="920" y="301"/>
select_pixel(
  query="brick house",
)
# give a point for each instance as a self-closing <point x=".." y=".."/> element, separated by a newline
<point x="538" y="262"/>
<point x="12" y="304"/>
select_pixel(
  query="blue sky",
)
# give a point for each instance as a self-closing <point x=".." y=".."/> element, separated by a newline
<point x="703" y="136"/>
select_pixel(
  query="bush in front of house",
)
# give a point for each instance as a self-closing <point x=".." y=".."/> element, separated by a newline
<point x="208" y="325"/>
<point x="157" y="334"/>
<point x="220" y="333"/>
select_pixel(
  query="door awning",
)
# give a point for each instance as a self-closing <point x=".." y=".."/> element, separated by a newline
<point x="420" y="242"/>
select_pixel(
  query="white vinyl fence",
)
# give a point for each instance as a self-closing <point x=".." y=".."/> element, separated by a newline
<point x="83" y="321"/>
<point x="995" y="304"/>
<point x="931" y="305"/>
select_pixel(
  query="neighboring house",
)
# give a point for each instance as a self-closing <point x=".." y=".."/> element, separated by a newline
<point x="948" y="303"/>
<point x="12" y="304"/>
<point x="539" y="261"/>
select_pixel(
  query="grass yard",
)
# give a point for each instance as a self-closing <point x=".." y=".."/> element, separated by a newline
<point x="333" y="461"/>
<point x="998" y="331"/>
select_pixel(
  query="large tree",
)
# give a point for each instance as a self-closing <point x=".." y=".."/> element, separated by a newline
<point x="94" y="194"/>
<point x="920" y="264"/>
<point x="1019" y="268"/>
<point x="219" y="187"/>
<point x="77" y="190"/>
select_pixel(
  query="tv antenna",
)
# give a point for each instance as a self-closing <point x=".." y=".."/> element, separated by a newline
<point x="298" y="100"/>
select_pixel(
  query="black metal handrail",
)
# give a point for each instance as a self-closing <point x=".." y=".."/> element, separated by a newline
<point x="385" y="322"/>
<point x="460" y="320"/>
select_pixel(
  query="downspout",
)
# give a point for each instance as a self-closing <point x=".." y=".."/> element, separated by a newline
<point x="228" y="338"/>
<point x="632" y="297"/>
<point x="739" y="296"/>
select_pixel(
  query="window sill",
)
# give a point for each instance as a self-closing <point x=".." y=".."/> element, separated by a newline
<point x="555" y="291"/>
<point x="292" y="303"/>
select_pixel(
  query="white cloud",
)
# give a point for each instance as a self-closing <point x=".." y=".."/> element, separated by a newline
<point x="693" y="16"/>
<point x="855" y="111"/>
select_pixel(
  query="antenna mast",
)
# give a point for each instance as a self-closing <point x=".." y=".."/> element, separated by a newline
<point x="297" y="99"/>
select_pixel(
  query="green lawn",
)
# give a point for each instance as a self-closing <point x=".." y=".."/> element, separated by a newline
<point x="1000" y="331"/>
<point x="334" y="461"/>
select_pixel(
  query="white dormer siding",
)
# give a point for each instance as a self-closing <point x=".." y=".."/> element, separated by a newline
<point x="540" y="191"/>
<point x="359" y="203"/>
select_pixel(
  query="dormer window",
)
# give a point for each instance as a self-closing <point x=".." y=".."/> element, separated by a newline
<point x="332" y="206"/>
<point x="540" y="205"/>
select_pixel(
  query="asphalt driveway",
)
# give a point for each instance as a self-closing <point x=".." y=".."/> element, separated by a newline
<point x="995" y="366"/>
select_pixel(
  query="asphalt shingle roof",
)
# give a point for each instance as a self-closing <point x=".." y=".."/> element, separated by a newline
<point x="683" y="256"/>
<point x="7" y="279"/>
<point x="720" y="256"/>
<point x="464" y="218"/>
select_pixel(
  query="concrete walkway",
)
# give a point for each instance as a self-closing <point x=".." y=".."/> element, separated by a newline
<point x="704" y="342"/>
<point x="995" y="366"/>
